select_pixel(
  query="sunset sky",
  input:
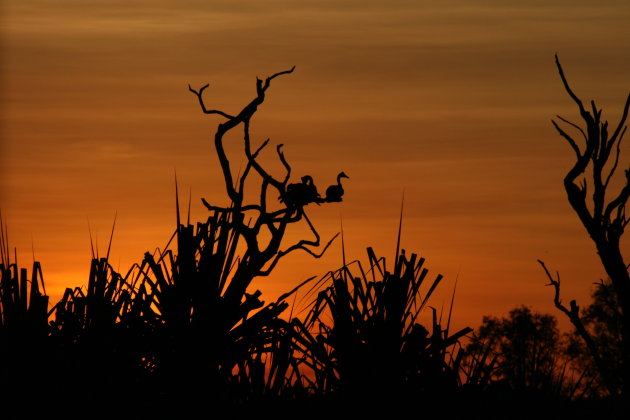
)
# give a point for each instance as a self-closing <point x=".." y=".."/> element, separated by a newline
<point x="448" y="102"/>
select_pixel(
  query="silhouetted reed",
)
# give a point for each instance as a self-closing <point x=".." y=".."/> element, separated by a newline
<point x="362" y="337"/>
<point x="23" y="332"/>
<point x="201" y="335"/>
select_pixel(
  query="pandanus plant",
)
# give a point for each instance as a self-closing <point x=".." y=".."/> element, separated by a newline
<point x="183" y="329"/>
<point x="213" y="337"/>
<point x="23" y="301"/>
<point x="98" y="345"/>
<point x="201" y="342"/>
<point x="23" y="329"/>
<point x="362" y="337"/>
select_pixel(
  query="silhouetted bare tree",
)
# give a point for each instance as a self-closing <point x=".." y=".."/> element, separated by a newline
<point x="257" y="261"/>
<point x="597" y="159"/>
<point x="211" y="329"/>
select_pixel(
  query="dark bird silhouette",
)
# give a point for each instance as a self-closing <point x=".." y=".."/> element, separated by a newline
<point x="310" y="190"/>
<point x="335" y="191"/>
<point x="302" y="193"/>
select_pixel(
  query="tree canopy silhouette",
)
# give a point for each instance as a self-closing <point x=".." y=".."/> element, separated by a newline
<point x="520" y="351"/>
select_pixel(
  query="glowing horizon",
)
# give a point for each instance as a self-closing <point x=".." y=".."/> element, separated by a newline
<point x="447" y="103"/>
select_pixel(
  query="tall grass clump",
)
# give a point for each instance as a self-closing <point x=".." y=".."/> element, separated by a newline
<point x="23" y="331"/>
<point x="362" y="338"/>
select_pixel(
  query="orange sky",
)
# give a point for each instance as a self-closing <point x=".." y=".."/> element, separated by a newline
<point x="447" y="101"/>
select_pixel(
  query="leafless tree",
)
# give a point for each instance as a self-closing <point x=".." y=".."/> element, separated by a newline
<point x="275" y="215"/>
<point x="597" y="153"/>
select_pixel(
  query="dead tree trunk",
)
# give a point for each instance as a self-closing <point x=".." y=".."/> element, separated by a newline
<point x="597" y="158"/>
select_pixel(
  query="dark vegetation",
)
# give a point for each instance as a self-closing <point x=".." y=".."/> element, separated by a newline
<point x="184" y="333"/>
<point x="590" y="186"/>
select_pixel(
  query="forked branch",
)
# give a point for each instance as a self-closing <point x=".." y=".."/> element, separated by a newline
<point x="302" y="244"/>
<point x="199" y="95"/>
<point x="573" y="313"/>
<point x="276" y="221"/>
<point x="597" y="152"/>
<point x="232" y="121"/>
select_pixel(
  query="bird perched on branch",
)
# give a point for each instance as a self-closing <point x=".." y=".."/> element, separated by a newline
<point x="301" y="193"/>
<point x="311" y="193"/>
<point x="335" y="191"/>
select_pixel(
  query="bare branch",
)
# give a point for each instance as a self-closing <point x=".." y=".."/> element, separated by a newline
<point x="203" y="105"/>
<point x="200" y="91"/>
<point x="300" y="245"/>
<point x="248" y="168"/>
<point x="249" y="110"/>
<point x="609" y="143"/>
<point x="575" y="126"/>
<point x="252" y="159"/>
<point x="577" y="100"/>
<point x="277" y="216"/>
<point x="621" y="199"/>
<point x="556" y="285"/>
<point x="574" y="316"/>
<point x="622" y="120"/>
<point x="569" y="139"/>
<point x="224" y="161"/>
<point x="243" y="117"/>
<point x="270" y="78"/>
<point x="248" y="233"/>
<point x="230" y="209"/>
<point x="255" y="155"/>
<point x="285" y="163"/>
<point x="263" y="195"/>
<point x="617" y="153"/>
<point x="624" y="220"/>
